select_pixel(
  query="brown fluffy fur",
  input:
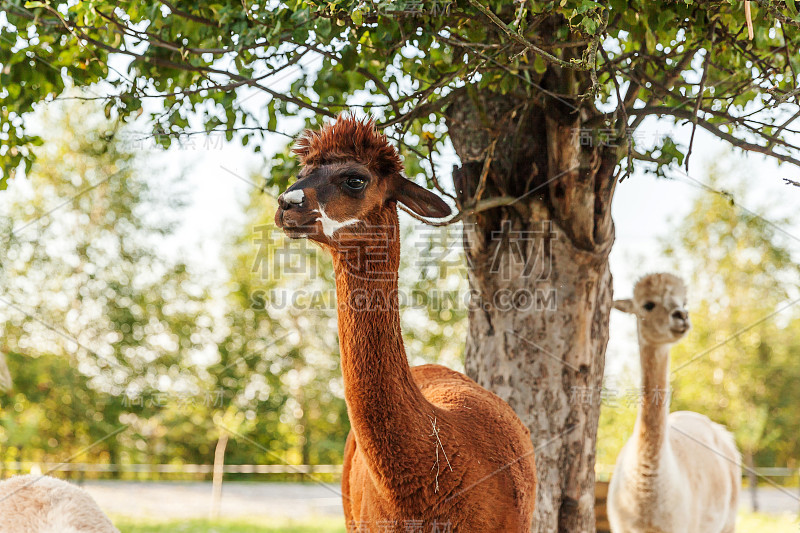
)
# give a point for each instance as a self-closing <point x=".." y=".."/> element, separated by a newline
<point x="403" y="419"/>
<point x="349" y="139"/>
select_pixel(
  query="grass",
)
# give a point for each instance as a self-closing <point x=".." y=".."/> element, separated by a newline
<point x="748" y="523"/>
<point x="761" y="523"/>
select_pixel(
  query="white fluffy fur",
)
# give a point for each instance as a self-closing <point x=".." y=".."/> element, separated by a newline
<point x="678" y="473"/>
<point x="43" y="504"/>
<point x="696" y="490"/>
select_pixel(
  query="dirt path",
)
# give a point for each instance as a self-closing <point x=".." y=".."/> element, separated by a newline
<point x="193" y="500"/>
<point x="289" y="500"/>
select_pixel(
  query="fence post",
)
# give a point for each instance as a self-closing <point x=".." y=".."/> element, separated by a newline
<point x="219" y="464"/>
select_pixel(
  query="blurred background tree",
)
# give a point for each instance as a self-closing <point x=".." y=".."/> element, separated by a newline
<point x="93" y="312"/>
<point x="739" y="366"/>
<point x="105" y="328"/>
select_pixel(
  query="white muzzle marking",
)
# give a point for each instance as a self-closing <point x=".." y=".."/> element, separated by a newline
<point x="295" y="197"/>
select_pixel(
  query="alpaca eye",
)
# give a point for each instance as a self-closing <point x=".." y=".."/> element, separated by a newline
<point x="649" y="306"/>
<point x="355" y="184"/>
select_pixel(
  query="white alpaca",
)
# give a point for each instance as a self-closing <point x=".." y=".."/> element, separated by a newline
<point x="43" y="504"/>
<point x="679" y="472"/>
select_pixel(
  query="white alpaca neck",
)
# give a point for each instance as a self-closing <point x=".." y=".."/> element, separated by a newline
<point x="651" y="422"/>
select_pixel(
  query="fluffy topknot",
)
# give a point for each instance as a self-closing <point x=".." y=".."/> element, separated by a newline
<point x="349" y="138"/>
<point x="657" y="284"/>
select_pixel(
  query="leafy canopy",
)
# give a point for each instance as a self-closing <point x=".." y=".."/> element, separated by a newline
<point x="616" y="62"/>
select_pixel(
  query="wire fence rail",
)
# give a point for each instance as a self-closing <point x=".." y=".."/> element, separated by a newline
<point x="603" y="471"/>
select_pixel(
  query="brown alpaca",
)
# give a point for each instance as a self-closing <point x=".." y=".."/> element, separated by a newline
<point x="428" y="446"/>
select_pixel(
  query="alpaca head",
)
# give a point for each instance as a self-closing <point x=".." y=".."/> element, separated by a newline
<point x="659" y="303"/>
<point x="347" y="190"/>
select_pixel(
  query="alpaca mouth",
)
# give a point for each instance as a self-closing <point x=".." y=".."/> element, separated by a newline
<point x="294" y="228"/>
<point x="300" y="231"/>
<point x="296" y="233"/>
<point x="680" y="330"/>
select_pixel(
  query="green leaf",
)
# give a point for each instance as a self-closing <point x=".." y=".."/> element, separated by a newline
<point x="790" y="5"/>
<point x="650" y="39"/>
<point x="272" y="120"/>
<point x="349" y="57"/>
<point x="323" y="27"/>
<point x="539" y="64"/>
<point x="589" y="25"/>
<point x="301" y="17"/>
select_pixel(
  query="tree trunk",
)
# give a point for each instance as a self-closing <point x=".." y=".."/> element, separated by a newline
<point x="541" y="285"/>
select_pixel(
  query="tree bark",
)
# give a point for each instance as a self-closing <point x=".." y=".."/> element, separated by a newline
<point x="541" y="285"/>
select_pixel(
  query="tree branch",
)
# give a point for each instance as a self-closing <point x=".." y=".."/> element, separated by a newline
<point x="189" y="16"/>
<point x="516" y="37"/>
<point x="483" y="205"/>
<point x="775" y="12"/>
<point x="699" y="98"/>
<point x="198" y="69"/>
<point x="712" y="128"/>
<point x="423" y="109"/>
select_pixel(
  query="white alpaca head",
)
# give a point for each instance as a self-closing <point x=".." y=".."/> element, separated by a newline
<point x="659" y="303"/>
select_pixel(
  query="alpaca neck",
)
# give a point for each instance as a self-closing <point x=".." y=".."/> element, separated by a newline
<point x="388" y="413"/>
<point x="651" y="423"/>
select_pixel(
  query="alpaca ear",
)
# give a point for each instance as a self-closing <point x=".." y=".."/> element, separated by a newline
<point x="420" y="200"/>
<point x="626" y="306"/>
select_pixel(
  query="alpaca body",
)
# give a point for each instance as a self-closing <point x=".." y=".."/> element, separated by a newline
<point x="679" y="472"/>
<point x="659" y="498"/>
<point x="42" y="504"/>
<point x="403" y="419"/>
<point x="468" y="423"/>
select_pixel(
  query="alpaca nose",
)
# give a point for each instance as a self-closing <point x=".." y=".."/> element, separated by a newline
<point x="680" y="314"/>
<point x="291" y="198"/>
